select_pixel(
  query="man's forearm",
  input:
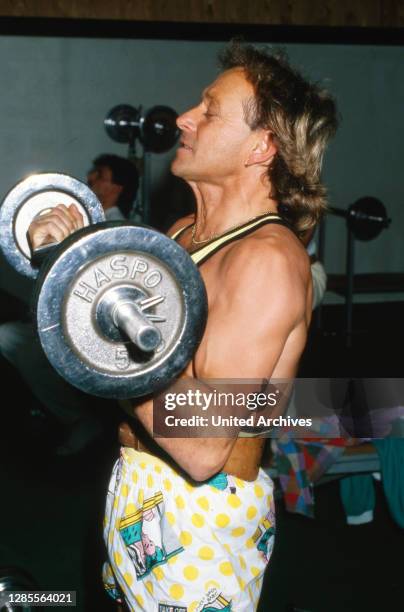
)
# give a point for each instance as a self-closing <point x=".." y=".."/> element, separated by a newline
<point x="201" y="458"/>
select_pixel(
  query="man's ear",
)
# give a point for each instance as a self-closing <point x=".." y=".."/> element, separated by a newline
<point x="263" y="150"/>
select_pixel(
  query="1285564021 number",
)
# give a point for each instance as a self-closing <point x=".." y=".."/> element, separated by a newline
<point x="39" y="598"/>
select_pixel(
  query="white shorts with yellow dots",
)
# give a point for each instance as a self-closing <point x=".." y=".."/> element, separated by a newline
<point x="174" y="546"/>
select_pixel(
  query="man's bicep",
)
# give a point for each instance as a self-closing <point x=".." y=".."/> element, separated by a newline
<point x="243" y="347"/>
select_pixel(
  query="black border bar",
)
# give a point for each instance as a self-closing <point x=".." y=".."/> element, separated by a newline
<point x="100" y="28"/>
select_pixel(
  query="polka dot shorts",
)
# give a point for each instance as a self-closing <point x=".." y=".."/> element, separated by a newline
<point x="180" y="546"/>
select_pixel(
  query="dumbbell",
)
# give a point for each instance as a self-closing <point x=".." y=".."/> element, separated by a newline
<point x="156" y="128"/>
<point x="120" y="308"/>
<point x="365" y="218"/>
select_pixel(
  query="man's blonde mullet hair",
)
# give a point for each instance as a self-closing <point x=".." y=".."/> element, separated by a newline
<point x="302" y="118"/>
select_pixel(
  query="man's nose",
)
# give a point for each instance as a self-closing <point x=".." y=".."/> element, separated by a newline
<point x="187" y="121"/>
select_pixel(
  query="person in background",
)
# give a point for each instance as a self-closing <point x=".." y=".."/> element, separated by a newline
<point x="115" y="181"/>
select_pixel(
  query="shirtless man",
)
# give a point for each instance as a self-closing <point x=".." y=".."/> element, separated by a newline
<point x="255" y="140"/>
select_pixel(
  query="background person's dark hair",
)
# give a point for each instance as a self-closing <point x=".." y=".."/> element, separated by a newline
<point x="124" y="173"/>
<point x="302" y="117"/>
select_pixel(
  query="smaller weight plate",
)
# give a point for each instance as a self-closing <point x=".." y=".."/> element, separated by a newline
<point x="35" y="194"/>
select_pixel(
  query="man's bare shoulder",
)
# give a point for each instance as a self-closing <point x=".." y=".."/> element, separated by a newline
<point x="271" y="249"/>
<point x="181" y="223"/>
<point x="272" y="266"/>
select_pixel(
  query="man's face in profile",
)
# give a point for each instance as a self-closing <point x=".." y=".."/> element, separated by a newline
<point x="215" y="139"/>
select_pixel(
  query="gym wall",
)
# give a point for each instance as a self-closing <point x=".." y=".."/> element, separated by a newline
<point x="56" y="92"/>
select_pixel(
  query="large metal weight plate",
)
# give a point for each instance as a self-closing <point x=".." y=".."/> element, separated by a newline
<point x="35" y="195"/>
<point x="73" y="293"/>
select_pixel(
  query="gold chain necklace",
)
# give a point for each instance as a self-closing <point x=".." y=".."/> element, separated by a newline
<point x="234" y="227"/>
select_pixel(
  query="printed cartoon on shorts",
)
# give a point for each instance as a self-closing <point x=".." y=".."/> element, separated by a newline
<point x="142" y="532"/>
<point x="264" y="535"/>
